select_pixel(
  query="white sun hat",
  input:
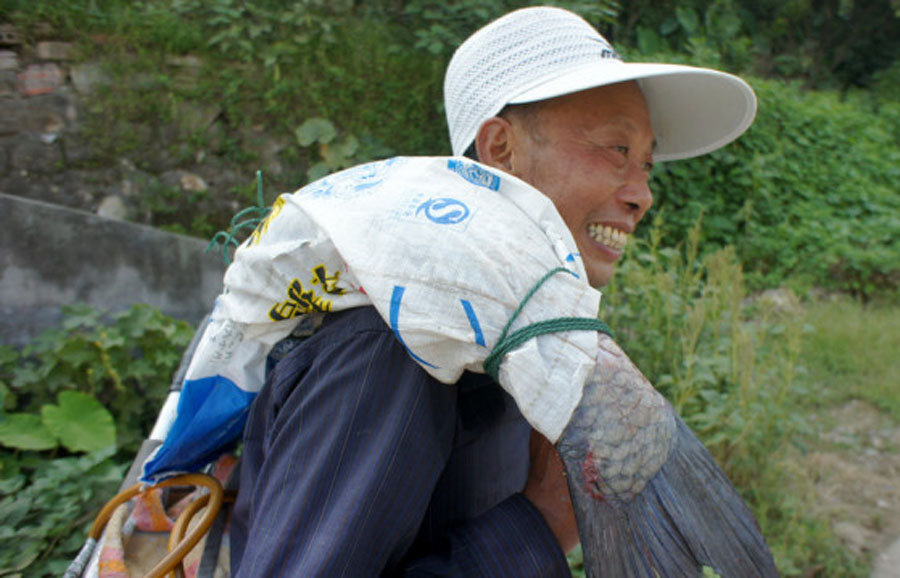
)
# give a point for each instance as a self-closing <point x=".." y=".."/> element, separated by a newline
<point x="541" y="52"/>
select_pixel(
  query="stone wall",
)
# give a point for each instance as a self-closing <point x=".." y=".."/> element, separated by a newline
<point x="52" y="256"/>
<point x="57" y="146"/>
<point x="65" y="195"/>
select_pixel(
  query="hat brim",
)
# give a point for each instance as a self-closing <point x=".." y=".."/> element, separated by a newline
<point x="693" y="110"/>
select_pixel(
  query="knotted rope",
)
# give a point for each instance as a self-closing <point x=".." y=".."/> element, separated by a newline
<point x="509" y="341"/>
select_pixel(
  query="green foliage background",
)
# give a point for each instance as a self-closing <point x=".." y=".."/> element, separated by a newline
<point x="808" y="195"/>
<point x="807" y="198"/>
<point x="62" y="452"/>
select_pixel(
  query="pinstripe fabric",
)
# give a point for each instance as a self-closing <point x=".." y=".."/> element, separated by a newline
<point x="357" y="463"/>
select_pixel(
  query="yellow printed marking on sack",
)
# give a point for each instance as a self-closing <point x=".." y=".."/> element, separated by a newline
<point x="301" y="300"/>
<point x="264" y="226"/>
<point x="329" y="284"/>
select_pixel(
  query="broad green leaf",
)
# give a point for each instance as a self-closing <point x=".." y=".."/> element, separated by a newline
<point x="7" y="397"/>
<point x="12" y="484"/>
<point x="688" y="19"/>
<point x="77" y="352"/>
<point x="315" y="130"/>
<point x="648" y="41"/>
<point x="80" y="422"/>
<point x="8" y="354"/>
<point x="24" y="556"/>
<point x="25" y="376"/>
<point x="25" y="431"/>
<point x="80" y="315"/>
<point x="338" y="154"/>
<point x="13" y="509"/>
<point x="317" y="171"/>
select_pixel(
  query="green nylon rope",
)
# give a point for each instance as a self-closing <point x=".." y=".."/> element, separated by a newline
<point x="228" y="239"/>
<point x="509" y="341"/>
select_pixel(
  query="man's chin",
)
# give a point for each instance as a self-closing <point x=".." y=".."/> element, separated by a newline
<point x="600" y="276"/>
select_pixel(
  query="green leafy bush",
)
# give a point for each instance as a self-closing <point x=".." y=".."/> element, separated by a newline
<point x="47" y="505"/>
<point x="125" y="366"/>
<point x="808" y="194"/>
<point x="62" y="453"/>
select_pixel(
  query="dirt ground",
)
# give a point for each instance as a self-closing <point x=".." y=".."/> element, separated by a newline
<point x="855" y="473"/>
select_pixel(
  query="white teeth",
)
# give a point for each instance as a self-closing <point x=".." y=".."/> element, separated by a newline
<point x="612" y="238"/>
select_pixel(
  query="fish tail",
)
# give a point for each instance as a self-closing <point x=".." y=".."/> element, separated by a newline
<point x="688" y="516"/>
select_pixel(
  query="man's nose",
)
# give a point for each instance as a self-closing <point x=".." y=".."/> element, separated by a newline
<point x="636" y="193"/>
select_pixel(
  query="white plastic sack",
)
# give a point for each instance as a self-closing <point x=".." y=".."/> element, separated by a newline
<point x="444" y="248"/>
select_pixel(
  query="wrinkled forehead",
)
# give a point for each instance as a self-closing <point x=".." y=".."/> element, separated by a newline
<point x="620" y="104"/>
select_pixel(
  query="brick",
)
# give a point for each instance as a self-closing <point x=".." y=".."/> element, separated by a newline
<point x="9" y="36"/>
<point x="33" y="156"/>
<point x="40" y="79"/>
<point x="88" y="76"/>
<point x="113" y="207"/>
<point x="8" y="83"/>
<point x="188" y="60"/>
<point x="193" y="183"/>
<point x="9" y="60"/>
<point x="54" y="50"/>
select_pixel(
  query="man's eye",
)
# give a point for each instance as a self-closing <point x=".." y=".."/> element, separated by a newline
<point x="620" y="155"/>
<point x="623" y="150"/>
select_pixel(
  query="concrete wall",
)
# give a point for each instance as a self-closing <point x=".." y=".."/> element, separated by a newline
<point x="52" y="256"/>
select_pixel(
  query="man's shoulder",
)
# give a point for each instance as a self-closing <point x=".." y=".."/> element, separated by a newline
<point x="431" y="172"/>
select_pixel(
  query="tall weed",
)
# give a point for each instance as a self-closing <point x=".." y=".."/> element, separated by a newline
<point x="730" y="364"/>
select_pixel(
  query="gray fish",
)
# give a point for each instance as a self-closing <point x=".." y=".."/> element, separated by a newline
<point x="649" y="499"/>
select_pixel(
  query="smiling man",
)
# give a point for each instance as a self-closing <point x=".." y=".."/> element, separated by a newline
<point x="589" y="152"/>
<point x="370" y="454"/>
<point x="540" y="94"/>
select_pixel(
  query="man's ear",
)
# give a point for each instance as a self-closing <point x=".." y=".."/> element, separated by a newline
<point x="494" y="143"/>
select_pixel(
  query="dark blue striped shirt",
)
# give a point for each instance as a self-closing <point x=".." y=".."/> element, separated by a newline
<point x="357" y="463"/>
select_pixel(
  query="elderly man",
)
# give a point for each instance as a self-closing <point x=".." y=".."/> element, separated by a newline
<point x="357" y="461"/>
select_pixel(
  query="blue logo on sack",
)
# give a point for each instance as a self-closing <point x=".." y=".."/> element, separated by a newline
<point x="351" y="183"/>
<point x="444" y="211"/>
<point x="371" y="174"/>
<point x="317" y="189"/>
<point x="474" y="174"/>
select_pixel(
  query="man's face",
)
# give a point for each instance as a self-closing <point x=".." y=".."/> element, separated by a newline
<point x="590" y="152"/>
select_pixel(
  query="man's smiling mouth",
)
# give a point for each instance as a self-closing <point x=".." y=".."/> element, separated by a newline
<point x="615" y="239"/>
